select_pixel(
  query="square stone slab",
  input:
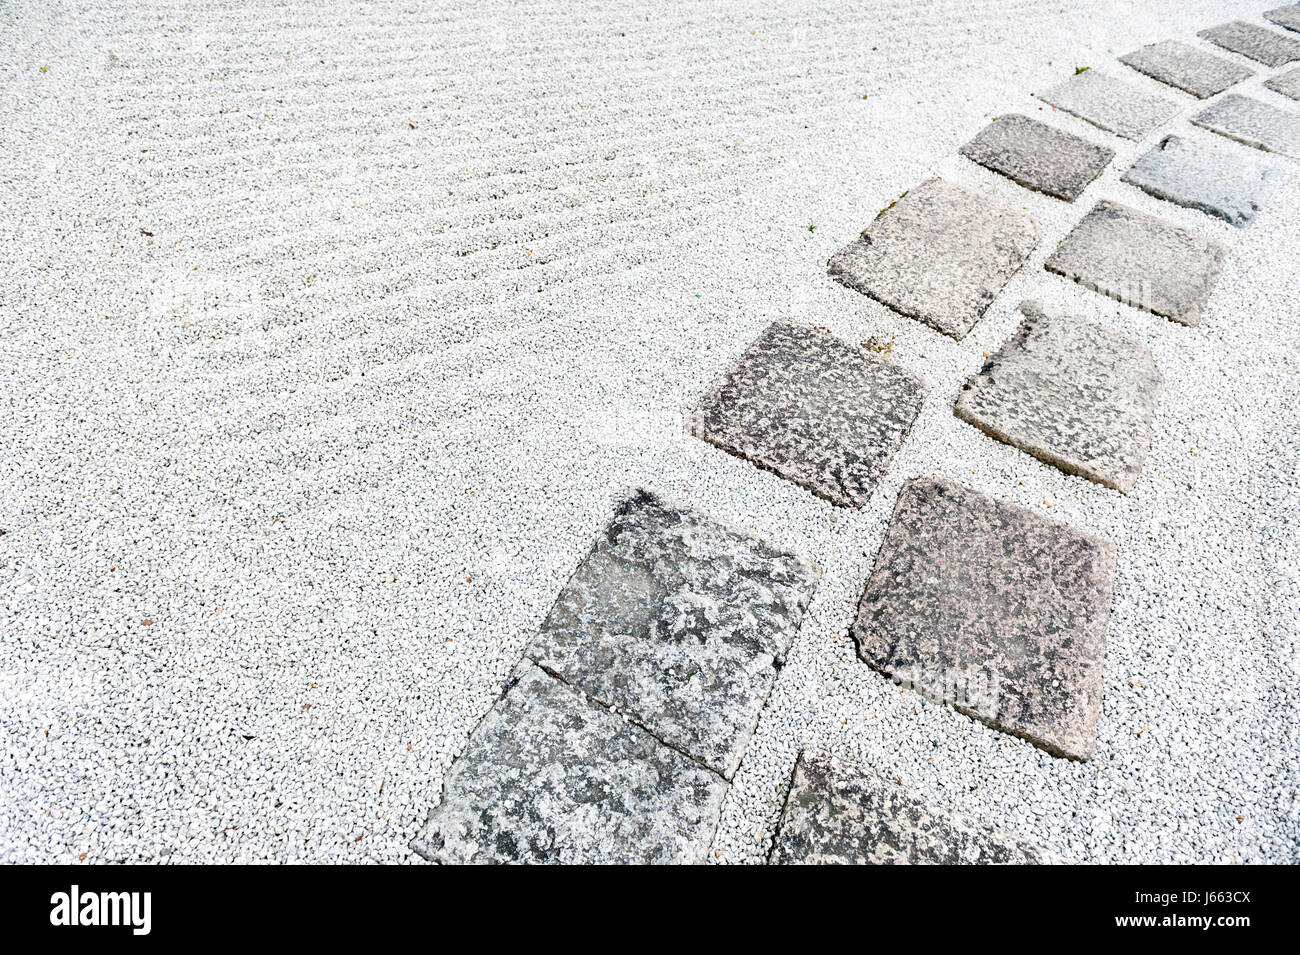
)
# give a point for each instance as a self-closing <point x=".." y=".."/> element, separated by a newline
<point x="1213" y="179"/>
<point x="678" y="623"/>
<point x="939" y="254"/>
<point x="1187" y="68"/>
<point x="1254" y="123"/>
<point x="1070" y="392"/>
<point x="993" y="609"/>
<point x="1257" y="43"/>
<point x="840" y="814"/>
<point x="1113" y="105"/>
<point x="1037" y="156"/>
<point x="550" y="777"/>
<point x="815" y="410"/>
<point x="1142" y="261"/>
<point x="1288" y="16"/>
<point x="1288" y="84"/>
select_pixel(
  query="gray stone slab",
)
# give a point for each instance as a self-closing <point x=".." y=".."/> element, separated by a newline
<point x="815" y="410"/>
<point x="1254" y="42"/>
<point x="1187" y="68"/>
<point x="1287" y="16"/>
<point x="550" y="777"/>
<point x="993" y="609"/>
<point x="1254" y="123"/>
<point x="1113" y="105"/>
<point x="840" y="814"/>
<point x="1141" y="260"/>
<point x="1038" y="156"/>
<point x="678" y="623"/>
<point x="1213" y="179"/>
<point x="940" y="254"/>
<point x="1070" y="392"/>
<point x="1288" y="84"/>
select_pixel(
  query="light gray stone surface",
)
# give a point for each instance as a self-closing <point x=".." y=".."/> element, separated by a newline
<point x="1288" y="84"/>
<point x="1141" y="260"/>
<point x="1217" y="180"/>
<point x="678" y="623"/>
<point x="994" y="609"/>
<point x="939" y="254"/>
<point x="817" y="411"/>
<point x="840" y="814"/>
<point x="1113" y="105"/>
<point x="1254" y="42"/>
<point x="1254" y="123"/>
<point x="1070" y="392"/>
<point x="1038" y="156"/>
<point x="1187" y="68"/>
<point x="1287" y="16"/>
<point x="550" y="777"/>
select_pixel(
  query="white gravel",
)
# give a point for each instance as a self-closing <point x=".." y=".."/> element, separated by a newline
<point x="331" y="332"/>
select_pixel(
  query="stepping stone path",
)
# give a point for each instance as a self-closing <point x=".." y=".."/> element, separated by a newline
<point x="993" y="609"/>
<point x="1113" y="105"/>
<point x="1288" y="84"/>
<point x="1187" y="68"/>
<point x="1254" y="123"/>
<point x="815" y="410"/>
<point x="939" y="254"/>
<point x="1288" y="16"/>
<point x="1256" y="43"/>
<point x="1070" y="392"/>
<point x="1213" y="179"/>
<point x="838" y="813"/>
<point x="1142" y="261"/>
<point x="1038" y="157"/>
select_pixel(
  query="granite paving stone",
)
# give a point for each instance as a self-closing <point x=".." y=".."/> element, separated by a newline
<point x="1288" y="84"/>
<point x="818" y="411"/>
<point x="1038" y="156"/>
<point x="1254" y="42"/>
<point x="550" y="777"/>
<point x="1113" y="105"/>
<point x="939" y="254"/>
<point x="1213" y="179"/>
<point x="1287" y="16"/>
<point x="1254" y="123"/>
<point x="993" y="609"/>
<point x="1070" y="392"/>
<point x="1187" y="68"/>
<point x="1141" y="260"/>
<point x="838" y="813"/>
<point x="678" y="623"/>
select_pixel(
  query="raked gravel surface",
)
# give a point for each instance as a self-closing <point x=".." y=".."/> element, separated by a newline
<point x="331" y="333"/>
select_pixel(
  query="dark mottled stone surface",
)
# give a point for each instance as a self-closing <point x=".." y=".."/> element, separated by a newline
<point x="1254" y="123"/>
<point x="1070" y="392"/>
<point x="994" y="609"/>
<point x="840" y="814"/>
<point x="817" y="411"/>
<point x="1287" y="16"/>
<point x="1038" y="156"/>
<point x="678" y="623"/>
<point x="1254" y="42"/>
<point x="939" y="254"/>
<point x="1288" y="84"/>
<point x="1113" y="105"/>
<point x="550" y="777"/>
<point x="1141" y="260"/>
<point x="1213" y="179"/>
<point x="1187" y="68"/>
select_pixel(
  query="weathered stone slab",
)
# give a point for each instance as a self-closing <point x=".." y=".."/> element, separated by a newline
<point x="1287" y="16"/>
<point x="1254" y="42"/>
<point x="550" y="777"/>
<point x="813" y="409"/>
<point x="1187" y="68"/>
<point x="939" y="254"/>
<point x="1288" y="84"/>
<point x="678" y="623"/>
<point x="1070" y="392"/>
<point x="1213" y="179"/>
<point x="1254" y="123"/>
<point x="1037" y="156"/>
<point x="1142" y="261"/>
<point x="840" y="814"/>
<point x="993" y="609"/>
<point x="1113" y="105"/>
